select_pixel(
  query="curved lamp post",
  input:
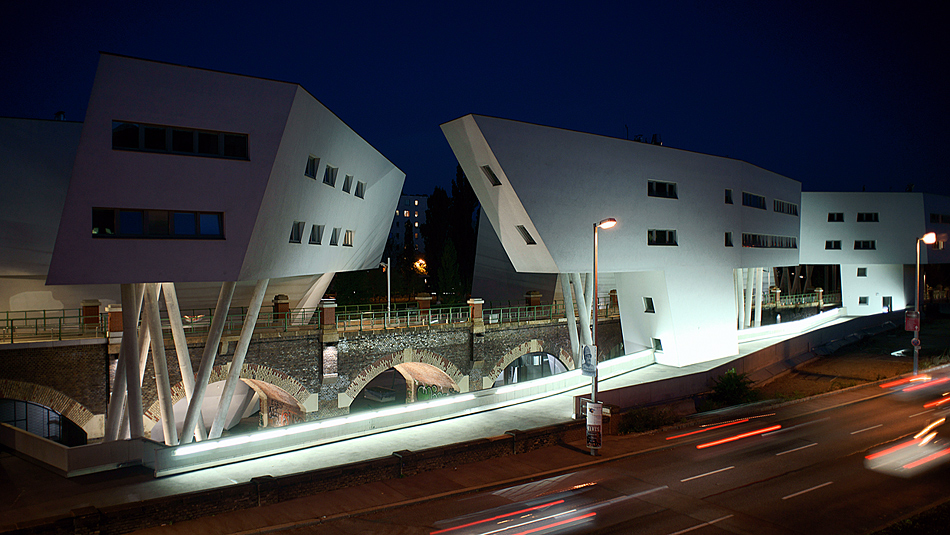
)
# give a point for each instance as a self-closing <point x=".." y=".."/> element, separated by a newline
<point x="929" y="238"/>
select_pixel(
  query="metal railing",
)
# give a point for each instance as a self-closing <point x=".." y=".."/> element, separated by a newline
<point x="408" y="317"/>
<point x="803" y="299"/>
<point x="45" y="325"/>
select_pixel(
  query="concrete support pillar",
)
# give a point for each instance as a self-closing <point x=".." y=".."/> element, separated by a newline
<point x="131" y="307"/>
<point x="740" y="302"/>
<point x="181" y="345"/>
<point x="758" y="297"/>
<point x="750" y="282"/>
<point x="162" y="383"/>
<point x="234" y="375"/>
<point x="582" y="309"/>
<point x="207" y="360"/>
<point x="569" y="312"/>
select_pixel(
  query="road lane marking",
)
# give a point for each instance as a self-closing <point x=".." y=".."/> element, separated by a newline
<point x="919" y="413"/>
<point x="795" y="427"/>
<point x="711" y="522"/>
<point x="866" y="429"/>
<point x="706" y="474"/>
<point x="796" y="449"/>
<point x="799" y="493"/>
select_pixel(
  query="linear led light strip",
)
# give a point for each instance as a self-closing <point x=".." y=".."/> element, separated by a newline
<point x="209" y="445"/>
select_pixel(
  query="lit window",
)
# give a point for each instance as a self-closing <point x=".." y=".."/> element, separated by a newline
<point x="833" y="244"/>
<point x="405" y="213"/>
<point x="316" y="234"/>
<point x="648" y="305"/>
<point x="417" y="202"/>
<point x="666" y="190"/>
<point x="296" y="231"/>
<point x="360" y="189"/>
<point x="728" y="239"/>
<point x="835" y="217"/>
<point x="938" y="245"/>
<point x="867" y="217"/>
<point x="528" y="239"/>
<point x="863" y="245"/>
<point x="728" y="196"/>
<point x="416" y="235"/>
<point x="329" y="176"/>
<point x="491" y="176"/>
<point x="417" y="224"/>
<point x="312" y="165"/>
<point x="661" y="237"/>
<point x="415" y="214"/>
<point x="347" y="183"/>
<point x="348" y="239"/>
<point x="335" y="237"/>
<point x="862" y="272"/>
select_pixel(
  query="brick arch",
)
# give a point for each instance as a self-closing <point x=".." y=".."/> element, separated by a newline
<point x="407" y="355"/>
<point x="256" y="372"/>
<point x="531" y="346"/>
<point x="91" y="423"/>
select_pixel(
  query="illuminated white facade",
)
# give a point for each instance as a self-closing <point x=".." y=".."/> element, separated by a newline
<point x="678" y="248"/>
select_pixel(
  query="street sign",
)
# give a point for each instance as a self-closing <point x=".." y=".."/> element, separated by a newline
<point x="911" y="320"/>
<point x="915" y="342"/>
<point x="594" y="423"/>
<point x="588" y="361"/>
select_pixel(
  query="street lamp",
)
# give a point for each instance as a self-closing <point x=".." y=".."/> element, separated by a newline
<point x="929" y="238"/>
<point x="386" y="270"/>
<point x="605" y="224"/>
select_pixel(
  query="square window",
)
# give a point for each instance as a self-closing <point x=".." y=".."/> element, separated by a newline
<point x="862" y="272"/>
<point x="728" y="239"/>
<point x="863" y="300"/>
<point x="405" y="213"/>
<point x="235" y="146"/>
<point x="728" y="196"/>
<point x="648" y="305"/>
<point x="347" y="183"/>
<point x="103" y="221"/>
<point x="335" y="237"/>
<point x="657" y="345"/>
<point x="296" y="231"/>
<point x="312" y="165"/>
<point x="361" y="190"/>
<point x="157" y="222"/>
<point x="125" y="135"/>
<point x="210" y="225"/>
<point x="183" y="140"/>
<point x="184" y="223"/>
<point x="833" y="244"/>
<point x="417" y="202"/>
<point x="316" y="234"/>
<point x="416" y="224"/>
<point x="329" y="176"/>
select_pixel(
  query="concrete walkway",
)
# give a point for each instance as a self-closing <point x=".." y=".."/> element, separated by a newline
<point x="29" y="494"/>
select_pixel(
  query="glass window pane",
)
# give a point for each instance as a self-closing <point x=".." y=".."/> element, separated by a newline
<point x="209" y="224"/>
<point x="131" y="222"/>
<point x="183" y="141"/>
<point x="207" y="143"/>
<point x="125" y="135"/>
<point x="158" y="223"/>
<point x="155" y="138"/>
<point x="185" y="224"/>
<point x="235" y="145"/>
<point x="103" y="221"/>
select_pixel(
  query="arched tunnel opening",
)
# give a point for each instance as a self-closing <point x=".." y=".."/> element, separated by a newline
<point x="529" y="367"/>
<point x="404" y="383"/>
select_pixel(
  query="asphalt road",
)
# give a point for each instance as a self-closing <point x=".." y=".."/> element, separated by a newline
<point x="792" y="473"/>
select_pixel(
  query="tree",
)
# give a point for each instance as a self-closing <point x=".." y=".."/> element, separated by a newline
<point x="451" y="219"/>
<point x="450" y="288"/>
<point x="435" y="231"/>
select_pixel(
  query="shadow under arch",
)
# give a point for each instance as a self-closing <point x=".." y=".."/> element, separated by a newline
<point x="410" y="358"/>
<point x="531" y="347"/>
<point x="80" y="418"/>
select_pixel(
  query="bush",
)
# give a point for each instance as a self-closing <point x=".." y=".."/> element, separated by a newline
<point x="645" y="419"/>
<point x="733" y="388"/>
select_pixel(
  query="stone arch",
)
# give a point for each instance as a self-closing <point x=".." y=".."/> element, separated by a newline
<point x="254" y="372"/>
<point x="407" y="355"/>
<point x="531" y="346"/>
<point x="92" y="424"/>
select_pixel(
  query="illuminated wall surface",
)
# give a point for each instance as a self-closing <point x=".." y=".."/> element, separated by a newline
<point x="686" y="222"/>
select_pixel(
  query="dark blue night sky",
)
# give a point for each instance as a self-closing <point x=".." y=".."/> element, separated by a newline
<point x="839" y="96"/>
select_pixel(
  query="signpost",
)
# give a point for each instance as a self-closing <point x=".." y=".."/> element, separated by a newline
<point x="911" y="320"/>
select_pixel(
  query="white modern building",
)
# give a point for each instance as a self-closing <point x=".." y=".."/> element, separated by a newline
<point x="695" y="232"/>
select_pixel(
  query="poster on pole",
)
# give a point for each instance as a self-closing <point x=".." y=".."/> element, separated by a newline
<point x="595" y="412"/>
<point x="588" y="361"/>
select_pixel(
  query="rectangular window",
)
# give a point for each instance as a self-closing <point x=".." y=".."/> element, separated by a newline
<point x="768" y="241"/>
<point x="296" y="231"/>
<point x="657" y="345"/>
<point x="417" y="202"/>
<point x="361" y="190"/>
<point x="783" y="207"/>
<point x="416" y="224"/>
<point x="129" y="223"/>
<point x="490" y="175"/>
<point x="833" y="245"/>
<point x="348" y="238"/>
<point x="405" y="213"/>
<point x="728" y="196"/>
<point x="862" y="272"/>
<point x="415" y="214"/>
<point x="661" y="237"/>
<point x="863" y="245"/>
<point x="940" y="218"/>
<point x="648" y="305"/>
<point x="753" y="201"/>
<point x="665" y="190"/>
<point x="938" y="245"/>
<point x="528" y="240"/>
<point x="867" y="217"/>
<point x="316" y="234"/>
<point x="347" y="183"/>
<point x="335" y="236"/>
<point x="312" y="165"/>
<point x="835" y="217"/>
<point x="863" y="300"/>
<point x="329" y="176"/>
<point x="177" y="140"/>
<point x="728" y="239"/>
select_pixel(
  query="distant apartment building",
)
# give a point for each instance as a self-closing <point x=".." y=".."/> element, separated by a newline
<point x="411" y="209"/>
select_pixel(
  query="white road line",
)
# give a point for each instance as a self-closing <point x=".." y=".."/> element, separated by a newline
<point x="706" y="474"/>
<point x="799" y="493"/>
<point x="919" y="413"/>
<point x="711" y="522"/>
<point x="796" y="449"/>
<point x="866" y="429"/>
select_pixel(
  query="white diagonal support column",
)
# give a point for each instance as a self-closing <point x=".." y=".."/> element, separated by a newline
<point x="181" y="346"/>
<point x="142" y="351"/>
<point x="589" y="294"/>
<point x="750" y="280"/>
<point x="569" y="313"/>
<point x="162" y="383"/>
<point x="207" y="360"/>
<point x="583" y="310"/>
<point x="131" y="305"/>
<point x="234" y="376"/>
<point x="740" y="304"/>
<point x="758" y="297"/>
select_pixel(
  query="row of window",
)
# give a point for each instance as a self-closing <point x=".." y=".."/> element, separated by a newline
<point x="316" y="234"/>
<point x="178" y="140"/>
<point x="783" y="207"/>
<point x="863" y="217"/>
<point x="859" y="245"/>
<point x="940" y="218"/>
<point x="667" y="237"/>
<point x="329" y="177"/>
<point x="134" y="223"/>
